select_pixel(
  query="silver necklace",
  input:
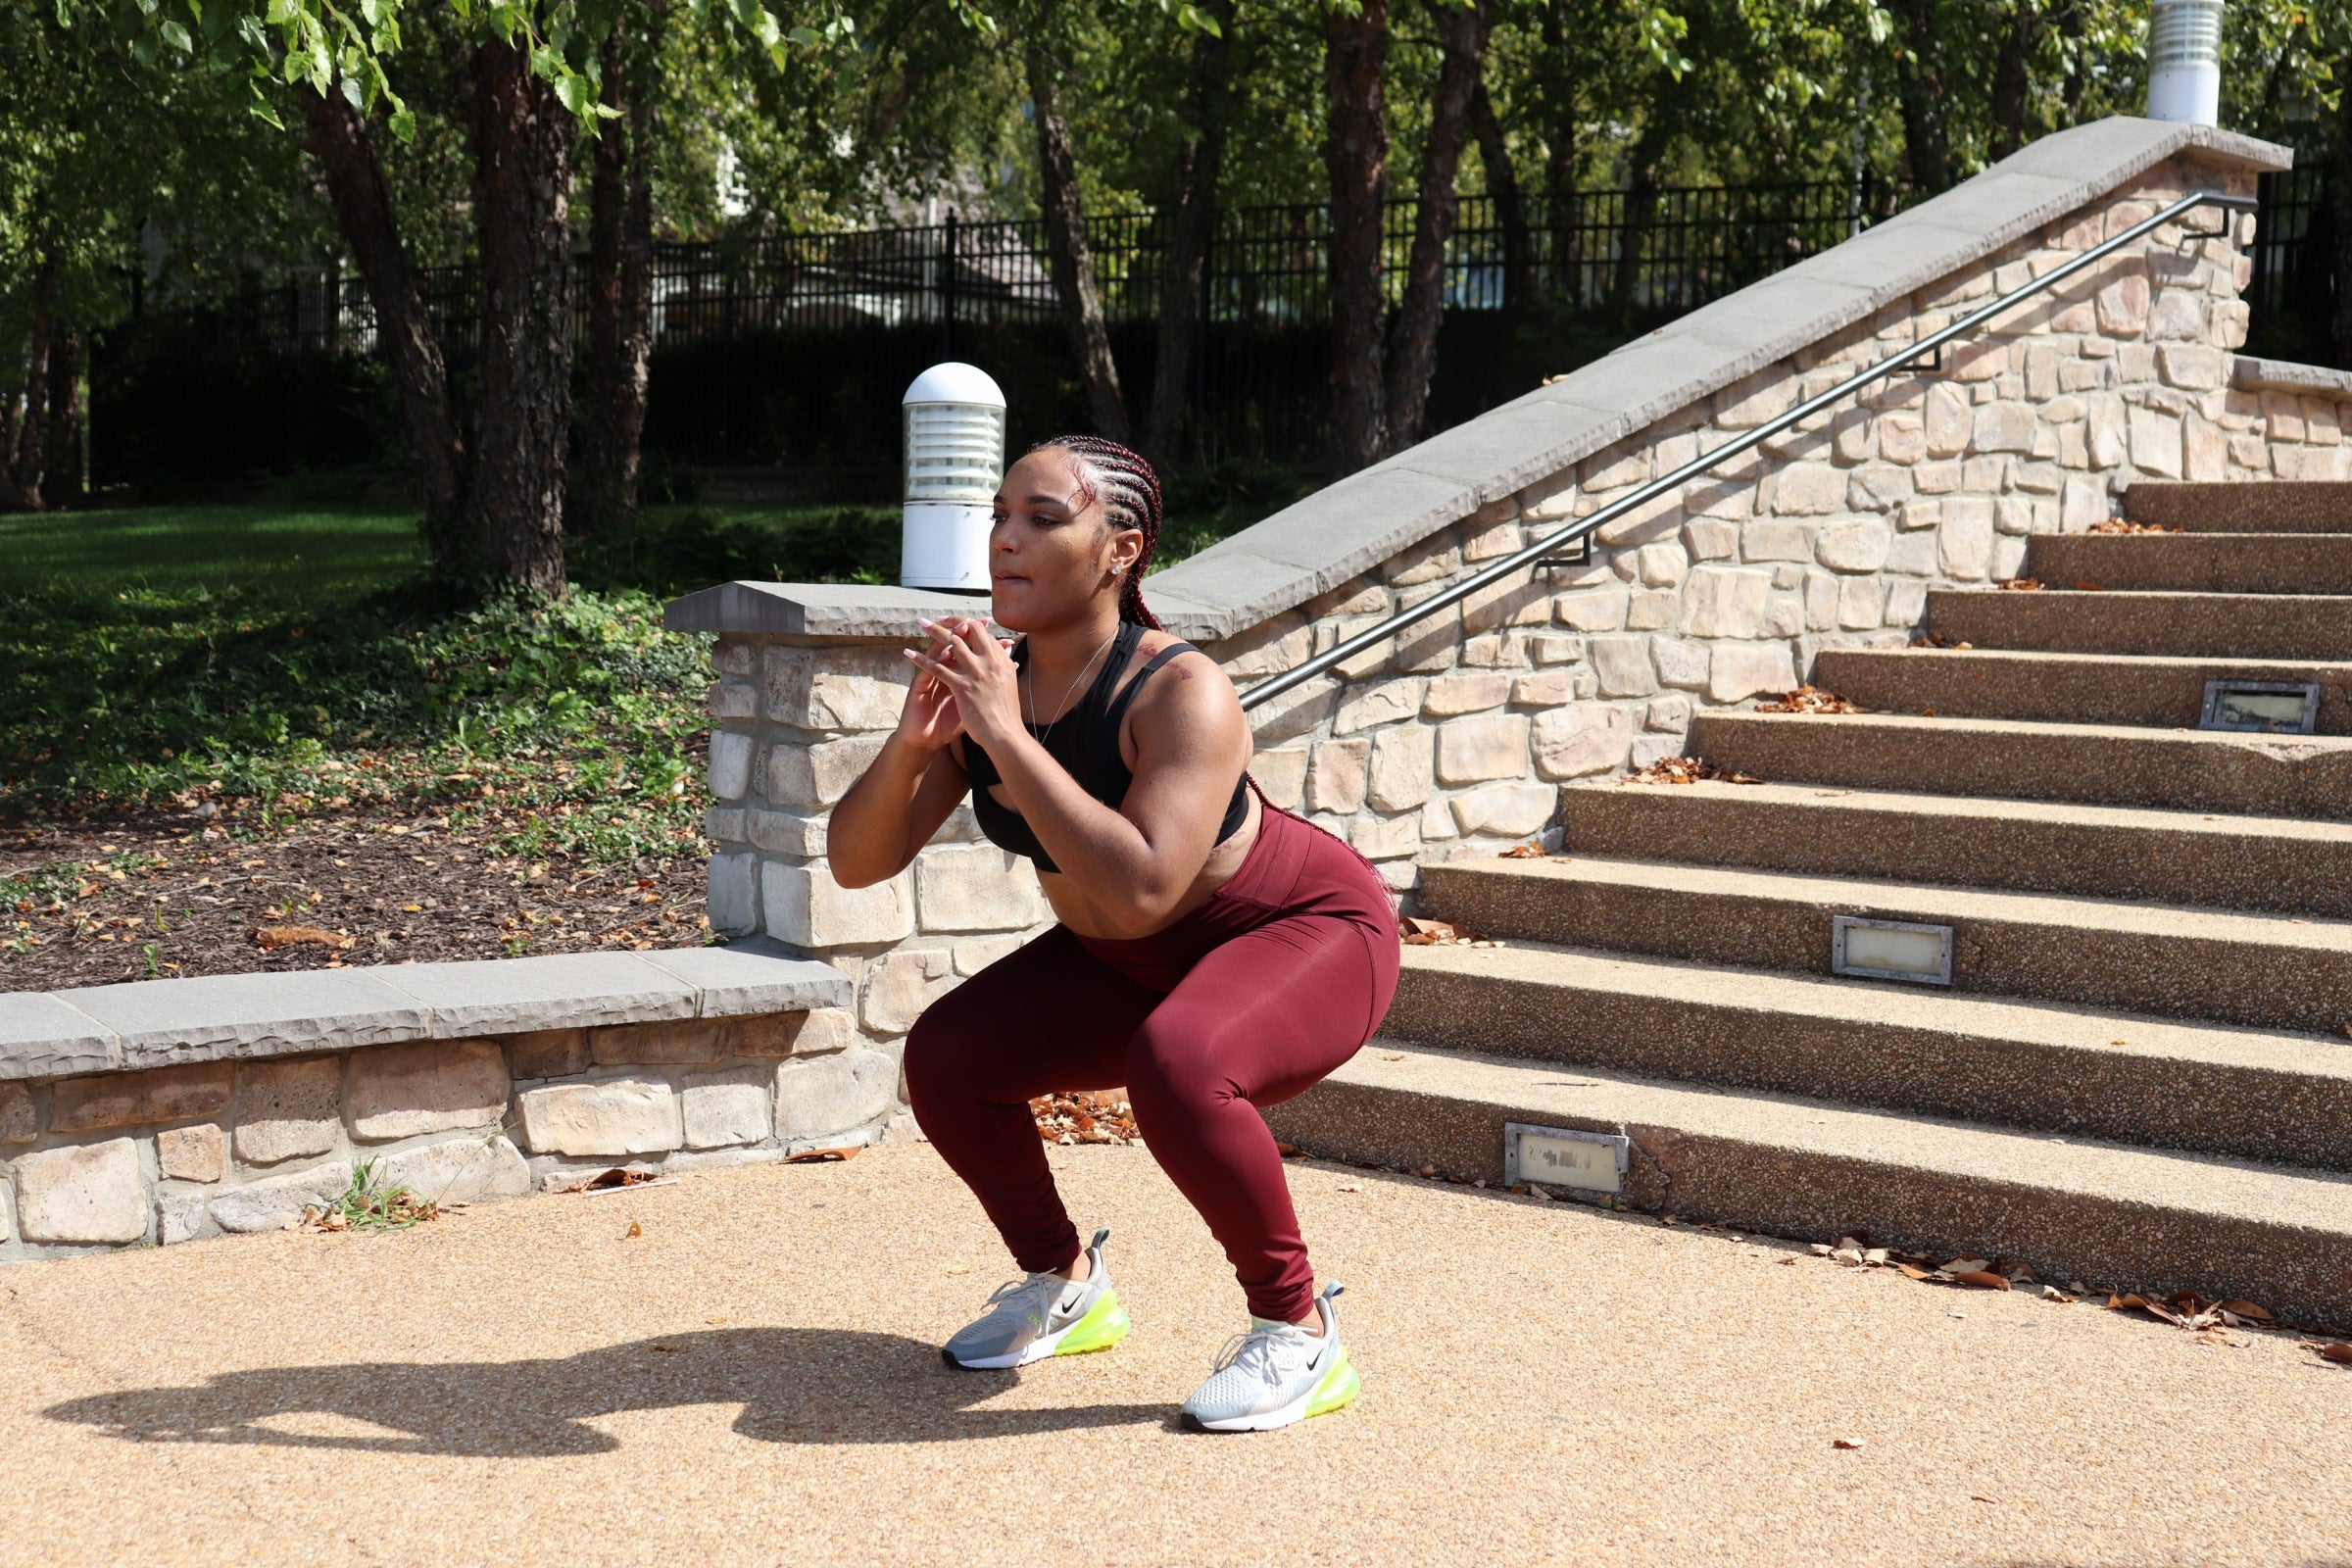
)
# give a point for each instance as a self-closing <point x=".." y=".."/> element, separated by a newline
<point x="1066" y="690"/>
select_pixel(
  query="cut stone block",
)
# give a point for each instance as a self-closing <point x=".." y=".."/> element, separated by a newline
<point x="560" y="990"/>
<point x="1583" y="738"/>
<point x="975" y="887"/>
<point x="459" y="1170"/>
<point x="752" y="976"/>
<point x="624" y="1114"/>
<point x="125" y="1099"/>
<point x="19" y="1124"/>
<point x="43" y="1037"/>
<point x="899" y="984"/>
<point x="198" y="1154"/>
<point x="277" y="1203"/>
<point x="181" y="1217"/>
<point x="434" y="1087"/>
<point x="790" y="1034"/>
<point x="807" y="909"/>
<point x="822" y="1097"/>
<point x="86" y="1193"/>
<point x="287" y="1109"/>
<point x="724" y="1108"/>
<point x="165" y="1021"/>
<point x="548" y="1053"/>
<point x="686" y="1042"/>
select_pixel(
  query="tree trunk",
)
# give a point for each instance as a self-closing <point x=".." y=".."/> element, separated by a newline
<point x="1413" y="346"/>
<point x="1927" y="135"/>
<point x="1355" y="156"/>
<point x="2343" y="233"/>
<point x="63" y="455"/>
<point x="1198" y="162"/>
<point x="1559" y="162"/>
<point x="25" y="462"/>
<point x="2011" y="77"/>
<point x="603" y="496"/>
<point x="522" y="143"/>
<point x="354" y="182"/>
<point x="1073" y="261"/>
<point x="1503" y="184"/>
<point x="1641" y="206"/>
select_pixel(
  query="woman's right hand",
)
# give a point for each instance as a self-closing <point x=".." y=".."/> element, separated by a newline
<point x="930" y="718"/>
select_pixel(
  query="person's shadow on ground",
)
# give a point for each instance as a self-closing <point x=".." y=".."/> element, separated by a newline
<point x="795" y="1386"/>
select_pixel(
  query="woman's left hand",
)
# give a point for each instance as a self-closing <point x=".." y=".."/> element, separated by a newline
<point x="979" y="672"/>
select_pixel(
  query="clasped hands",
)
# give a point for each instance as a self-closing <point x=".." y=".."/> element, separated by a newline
<point x="965" y="685"/>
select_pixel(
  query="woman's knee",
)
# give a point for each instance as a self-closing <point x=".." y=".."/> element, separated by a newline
<point x="940" y="1052"/>
<point x="1171" y="1069"/>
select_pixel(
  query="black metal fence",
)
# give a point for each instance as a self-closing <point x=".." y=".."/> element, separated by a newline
<point x="791" y="351"/>
<point x="2294" y="290"/>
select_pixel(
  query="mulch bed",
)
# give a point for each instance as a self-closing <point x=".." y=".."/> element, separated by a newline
<point x="165" y="894"/>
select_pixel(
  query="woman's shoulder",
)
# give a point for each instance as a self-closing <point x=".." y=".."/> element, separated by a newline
<point x="1185" y="685"/>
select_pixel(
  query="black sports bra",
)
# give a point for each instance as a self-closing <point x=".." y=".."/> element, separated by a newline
<point x="1086" y="741"/>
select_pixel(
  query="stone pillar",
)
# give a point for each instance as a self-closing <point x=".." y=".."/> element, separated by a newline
<point x="810" y="683"/>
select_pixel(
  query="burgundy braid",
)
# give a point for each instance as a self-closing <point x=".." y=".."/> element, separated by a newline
<point x="1130" y="495"/>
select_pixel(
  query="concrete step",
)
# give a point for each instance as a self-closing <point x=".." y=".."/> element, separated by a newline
<point x="2098" y="764"/>
<point x="2239" y="862"/>
<point x="2195" y="563"/>
<point x="2297" y="506"/>
<point x="2152" y="1221"/>
<point x="2179" y="625"/>
<point x="2252" y="1093"/>
<point x="2063" y="688"/>
<point x="2268" y="970"/>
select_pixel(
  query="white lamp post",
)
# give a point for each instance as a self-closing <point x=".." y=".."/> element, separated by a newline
<point x="955" y="454"/>
<point x="2184" y="61"/>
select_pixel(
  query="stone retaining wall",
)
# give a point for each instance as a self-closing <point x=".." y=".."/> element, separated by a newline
<point x="251" y="1121"/>
<point x="1453" y="738"/>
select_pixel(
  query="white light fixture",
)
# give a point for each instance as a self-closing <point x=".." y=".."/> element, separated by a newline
<point x="2184" y="61"/>
<point x="955" y="454"/>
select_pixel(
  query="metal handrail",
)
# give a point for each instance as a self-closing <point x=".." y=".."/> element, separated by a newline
<point x="1578" y="529"/>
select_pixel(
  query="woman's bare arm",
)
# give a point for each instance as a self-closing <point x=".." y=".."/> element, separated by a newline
<point x="904" y="792"/>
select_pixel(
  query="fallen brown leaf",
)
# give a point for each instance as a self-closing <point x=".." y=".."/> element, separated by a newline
<point x="1524" y="852"/>
<point x="273" y="937"/>
<point x="2127" y="526"/>
<point x="1808" y="700"/>
<point x="2024" y="584"/>
<point x="634" y="1229"/>
<point x="812" y="1156"/>
<point x="1913" y="1272"/>
<point x="2091" y="588"/>
<point x="1685" y="771"/>
<point x="1984" y="1278"/>
<point x="1844" y="1443"/>
<point x="2335" y="1351"/>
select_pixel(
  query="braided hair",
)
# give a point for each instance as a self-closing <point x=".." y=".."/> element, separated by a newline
<point x="1130" y="495"/>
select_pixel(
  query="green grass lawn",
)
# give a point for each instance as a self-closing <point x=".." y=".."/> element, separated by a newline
<point x="289" y="552"/>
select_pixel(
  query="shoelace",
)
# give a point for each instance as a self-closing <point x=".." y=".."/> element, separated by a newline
<point x="1261" y="1340"/>
<point x="1043" y="1284"/>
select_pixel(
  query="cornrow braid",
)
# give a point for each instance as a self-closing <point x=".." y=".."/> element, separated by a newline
<point x="1130" y="495"/>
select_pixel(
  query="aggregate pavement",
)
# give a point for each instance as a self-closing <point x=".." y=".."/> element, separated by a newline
<point x="742" y="1368"/>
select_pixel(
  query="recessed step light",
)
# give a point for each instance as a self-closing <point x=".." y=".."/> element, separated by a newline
<point x="2266" y="706"/>
<point x="1564" y="1156"/>
<point x="1891" y="950"/>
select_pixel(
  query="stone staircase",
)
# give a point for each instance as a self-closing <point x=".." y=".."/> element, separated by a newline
<point x="2141" y="1073"/>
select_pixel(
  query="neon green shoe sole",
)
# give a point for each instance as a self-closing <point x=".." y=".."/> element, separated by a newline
<point x="1105" y="1325"/>
<point x="1340" y="1387"/>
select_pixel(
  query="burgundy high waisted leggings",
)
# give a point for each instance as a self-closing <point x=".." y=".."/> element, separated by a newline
<point x="1252" y="998"/>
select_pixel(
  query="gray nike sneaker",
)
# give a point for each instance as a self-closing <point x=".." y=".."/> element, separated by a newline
<point x="1045" y="1314"/>
<point x="1276" y="1374"/>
